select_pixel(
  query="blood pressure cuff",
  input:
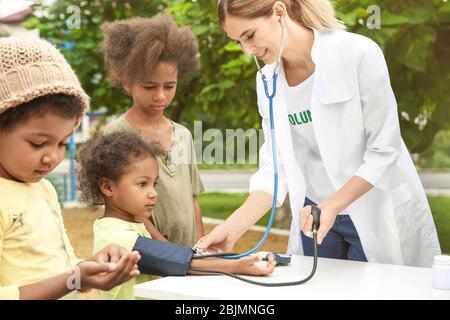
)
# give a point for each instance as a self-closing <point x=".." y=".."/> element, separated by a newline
<point x="162" y="258"/>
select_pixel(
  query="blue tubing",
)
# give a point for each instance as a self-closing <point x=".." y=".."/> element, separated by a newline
<point x="275" y="169"/>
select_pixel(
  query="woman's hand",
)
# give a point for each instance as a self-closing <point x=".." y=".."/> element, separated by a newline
<point x="218" y="240"/>
<point x="327" y="217"/>
<point x="337" y="202"/>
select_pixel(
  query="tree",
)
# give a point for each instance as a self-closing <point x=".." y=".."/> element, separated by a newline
<point x="414" y="36"/>
<point x="214" y="95"/>
<point x="74" y="27"/>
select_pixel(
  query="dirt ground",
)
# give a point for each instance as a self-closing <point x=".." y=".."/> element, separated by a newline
<point x="79" y="223"/>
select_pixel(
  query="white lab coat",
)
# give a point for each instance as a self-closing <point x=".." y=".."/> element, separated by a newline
<point x="357" y="129"/>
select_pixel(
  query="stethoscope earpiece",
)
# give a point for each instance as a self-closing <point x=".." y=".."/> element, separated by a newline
<point x="278" y="61"/>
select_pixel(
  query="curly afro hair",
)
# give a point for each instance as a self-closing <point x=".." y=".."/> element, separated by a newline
<point x="132" y="48"/>
<point x="108" y="156"/>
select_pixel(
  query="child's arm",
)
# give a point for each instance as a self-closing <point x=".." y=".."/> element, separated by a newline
<point x="99" y="272"/>
<point x="152" y="230"/>
<point x="199" y="231"/>
<point x="249" y="265"/>
<point x="48" y="289"/>
<point x="170" y="259"/>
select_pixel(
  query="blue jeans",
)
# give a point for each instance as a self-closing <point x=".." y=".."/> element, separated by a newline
<point x="341" y="242"/>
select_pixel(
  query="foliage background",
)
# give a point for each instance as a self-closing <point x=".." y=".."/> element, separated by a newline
<point x="414" y="36"/>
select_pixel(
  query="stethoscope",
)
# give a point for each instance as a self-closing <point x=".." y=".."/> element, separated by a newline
<point x="315" y="211"/>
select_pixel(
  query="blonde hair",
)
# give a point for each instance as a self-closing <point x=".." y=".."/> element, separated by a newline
<point x="317" y="14"/>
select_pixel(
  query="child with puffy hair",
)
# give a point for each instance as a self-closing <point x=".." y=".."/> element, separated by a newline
<point x="146" y="58"/>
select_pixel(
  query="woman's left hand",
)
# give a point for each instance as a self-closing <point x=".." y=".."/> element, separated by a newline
<point x="327" y="217"/>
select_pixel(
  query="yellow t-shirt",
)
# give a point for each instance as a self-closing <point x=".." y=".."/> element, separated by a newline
<point x="33" y="241"/>
<point x="123" y="233"/>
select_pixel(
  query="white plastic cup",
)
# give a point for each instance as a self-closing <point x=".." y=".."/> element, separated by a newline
<point x="441" y="272"/>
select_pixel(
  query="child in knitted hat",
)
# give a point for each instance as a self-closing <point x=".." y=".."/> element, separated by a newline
<point x="41" y="102"/>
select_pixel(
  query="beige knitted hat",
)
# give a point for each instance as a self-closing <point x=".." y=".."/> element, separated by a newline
<point x="31" y="68"/>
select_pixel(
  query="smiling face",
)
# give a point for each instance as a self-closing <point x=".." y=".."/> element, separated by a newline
<point x="133" y="194"/>
<point x="155" y="93"/>
<point x="32" y="149"/>
<point x="258" y="36"/>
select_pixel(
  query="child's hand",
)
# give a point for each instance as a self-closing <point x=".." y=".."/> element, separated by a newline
<point x="254" y="266"/>
<point x="107" y="274"/>
<point x="110" y="253"/>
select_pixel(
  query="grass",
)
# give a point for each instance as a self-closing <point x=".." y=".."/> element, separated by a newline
<point x="440" y="206"/>
<point x="221" y="205"/>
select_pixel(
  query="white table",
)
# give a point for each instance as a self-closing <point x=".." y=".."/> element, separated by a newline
<point x="334" y="279"/>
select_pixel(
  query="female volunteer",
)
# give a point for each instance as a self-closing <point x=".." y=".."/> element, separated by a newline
<point x="337" y="137"/>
